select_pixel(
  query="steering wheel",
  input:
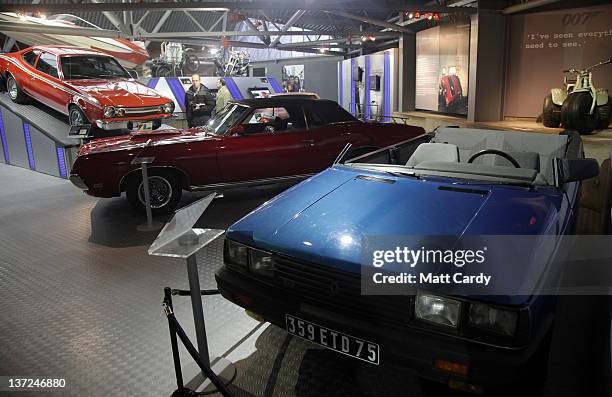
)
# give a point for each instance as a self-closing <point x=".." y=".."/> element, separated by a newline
<point x="497" y="152"/>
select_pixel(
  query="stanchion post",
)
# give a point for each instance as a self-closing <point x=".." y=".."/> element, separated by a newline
<point x="178" y="239"/>
<point x="198" y="311"/>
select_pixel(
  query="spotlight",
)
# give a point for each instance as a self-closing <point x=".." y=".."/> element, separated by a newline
<point x="213" y="51"/>
<point x="21" y="16"/>
<point x="322" y="50"/>
<point x="363" y="38"/>
<point x="42" y="16"/>
<point x="410" y="15"/>
<point x="429" y="16"/>
<point x="372" y="38"/>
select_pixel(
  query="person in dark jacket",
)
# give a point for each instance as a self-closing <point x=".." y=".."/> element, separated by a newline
<point x="199" y="103"/>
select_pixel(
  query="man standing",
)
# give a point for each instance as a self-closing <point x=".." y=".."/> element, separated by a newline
<point x="199" y="103"/>
<point x="223" y="95"/>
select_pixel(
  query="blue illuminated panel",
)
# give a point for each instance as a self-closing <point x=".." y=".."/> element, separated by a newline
<point x="28" y="142"/>
<point x="177" y="90"/>
<point x="367" y="87"/>
<point x="387" y="86"/>
<point x="61" y="162"/>
<point x="274" y="84"/>
<point x="153" y="82"/>
<point x="3" y="139"/>
<point x="352" y="101"/>
<point x="233" y="88"/>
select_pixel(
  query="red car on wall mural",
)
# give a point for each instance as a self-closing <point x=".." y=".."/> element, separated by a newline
<point x="251" y="142"/>
<point x="87" y="85"/>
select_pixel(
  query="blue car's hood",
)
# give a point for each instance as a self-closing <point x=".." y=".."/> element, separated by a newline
<point x="323" y="219"/>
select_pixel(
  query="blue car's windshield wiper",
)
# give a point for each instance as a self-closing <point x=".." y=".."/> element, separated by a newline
<point x="400" y="173"/>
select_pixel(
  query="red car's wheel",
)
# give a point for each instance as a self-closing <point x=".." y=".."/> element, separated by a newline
<point x="165" y="191"/>
<point x="15" y="92"/>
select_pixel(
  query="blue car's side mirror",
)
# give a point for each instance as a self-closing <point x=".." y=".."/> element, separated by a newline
<point x="572" y="170"/>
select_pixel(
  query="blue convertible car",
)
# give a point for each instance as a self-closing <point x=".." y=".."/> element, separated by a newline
<point x="296" y="261"/>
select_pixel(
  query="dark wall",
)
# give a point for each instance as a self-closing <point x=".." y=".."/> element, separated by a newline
<point x="320" y="74"/>
<point x="543" y="44"/>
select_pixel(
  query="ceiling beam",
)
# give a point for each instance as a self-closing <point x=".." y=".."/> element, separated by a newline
<point x="69" y="31"/>
<point x="248" y="44"/>
<point x="359" y="5"/>
<point x="234" y="33"/>
<point x="372" y="21"/>
<point x="195" y="21"/>
<point x="263" y="39"/>
<point x="294" y="18"/>
<point x="327" y="43"/>
<point x="113" y="19"/>
<point x="159" y="25"/>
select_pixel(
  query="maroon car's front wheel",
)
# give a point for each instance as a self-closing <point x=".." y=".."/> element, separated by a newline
<point x="165" y="192"/>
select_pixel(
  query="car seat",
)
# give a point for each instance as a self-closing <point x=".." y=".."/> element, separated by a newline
<point x="446" y="152"/>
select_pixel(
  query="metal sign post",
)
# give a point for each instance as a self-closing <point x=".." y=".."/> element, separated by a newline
<point x="144" y="162"/>
<point x="178" y="239"/>
<point x="151" y="225"/>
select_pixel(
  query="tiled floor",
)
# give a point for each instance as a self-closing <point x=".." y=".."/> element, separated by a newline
<point x="80" y="299"/>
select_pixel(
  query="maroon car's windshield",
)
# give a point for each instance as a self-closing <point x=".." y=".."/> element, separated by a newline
<point x="76" y="67"/>
<point x="221" y="122"/>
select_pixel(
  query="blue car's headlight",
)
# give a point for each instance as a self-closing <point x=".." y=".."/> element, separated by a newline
<point x="236" y="253"/>
<point x="437" y="309"/>
<point x="261" y="262"/>
<point x="493" y="319"/>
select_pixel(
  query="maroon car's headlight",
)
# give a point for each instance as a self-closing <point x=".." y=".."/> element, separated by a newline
<point x="120" y="112"/>
<point x="109" y="111"/>
<point x="168" y="107"/>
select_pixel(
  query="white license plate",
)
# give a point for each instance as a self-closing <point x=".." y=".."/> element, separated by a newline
<point x="338" y="341"/>
<point x="144" y="126"/>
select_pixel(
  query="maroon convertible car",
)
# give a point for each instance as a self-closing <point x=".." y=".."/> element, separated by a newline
<point x="251" y="142"/>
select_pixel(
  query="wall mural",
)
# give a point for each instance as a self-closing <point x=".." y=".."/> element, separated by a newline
<point x="442" y="62"/>
<point x="543" y="44"/>
<point x="293" y="78"/>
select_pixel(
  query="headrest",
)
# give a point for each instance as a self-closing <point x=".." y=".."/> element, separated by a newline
<point x="446" y="152"/>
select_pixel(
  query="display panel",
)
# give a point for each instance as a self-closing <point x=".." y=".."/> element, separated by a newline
<point x="293" y="78"/>
<point x="259" y="92"/>
<point x="442" y="62"/>
<point x="543" y="44"/>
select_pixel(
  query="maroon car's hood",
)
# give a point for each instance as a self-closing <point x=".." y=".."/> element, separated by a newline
<point x="120" y="92"/>
<point x="138" y="139"/>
